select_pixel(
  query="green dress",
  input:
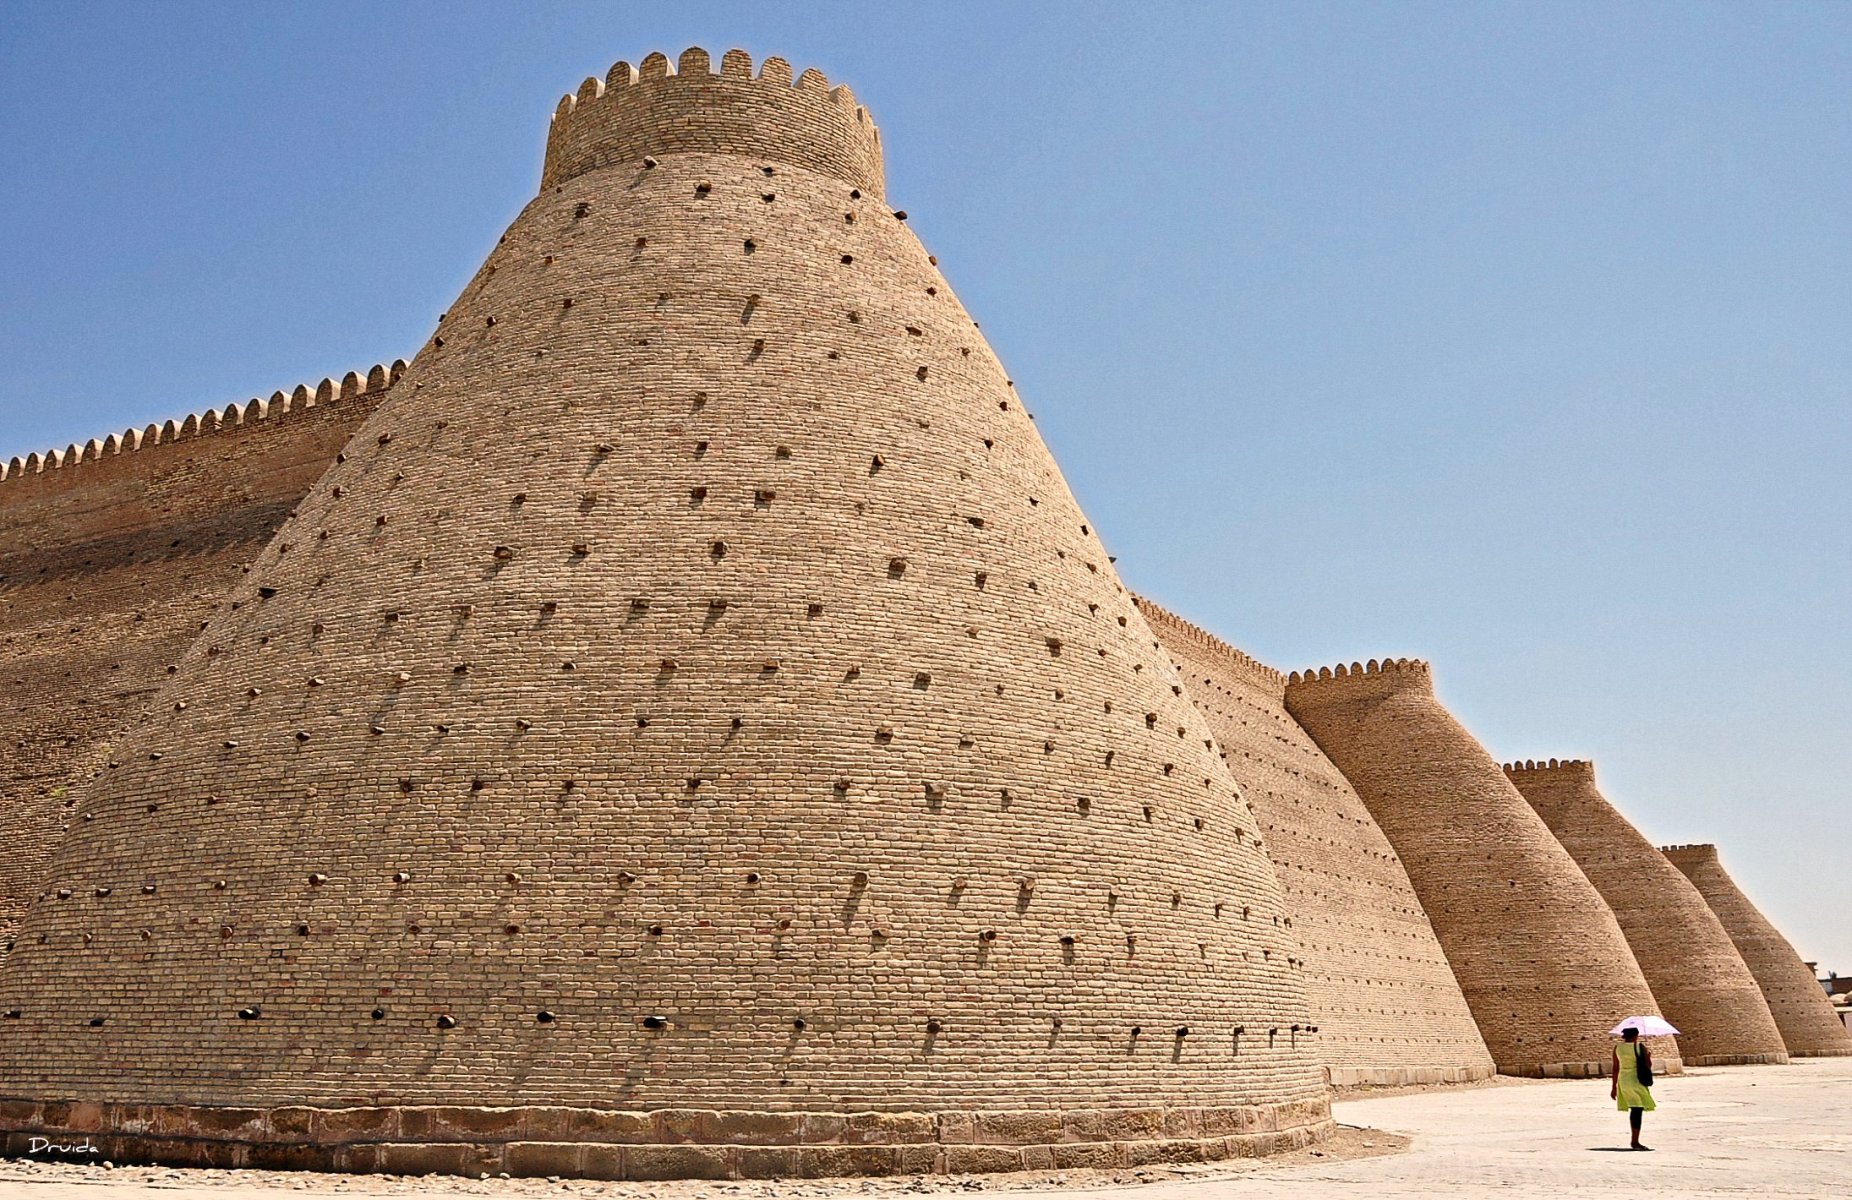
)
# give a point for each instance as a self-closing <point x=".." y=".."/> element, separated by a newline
<point x="1631" y="1093"/>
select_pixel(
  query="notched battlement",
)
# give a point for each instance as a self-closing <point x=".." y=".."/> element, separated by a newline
<point x="1576" y="767"/>
<point x="1693" y="852"/>
<point x="658" y="109"/>
<point x="353" y="384"/>
<point x="1165" y="621"/>
<point x="1374" y="678"/>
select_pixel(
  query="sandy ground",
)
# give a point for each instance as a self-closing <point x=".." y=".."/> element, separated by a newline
<point x="1761" y="1131"/>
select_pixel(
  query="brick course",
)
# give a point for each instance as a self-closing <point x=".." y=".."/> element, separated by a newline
<point x="696" y="691"/>
<point x="1538" y="954"/>
<point x="1694" y="970"/>
<point x="1809" y="1027"/>
<point x="1388" y="1008"/>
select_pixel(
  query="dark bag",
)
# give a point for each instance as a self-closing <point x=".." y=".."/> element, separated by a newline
<point x="1643" y="1065"/>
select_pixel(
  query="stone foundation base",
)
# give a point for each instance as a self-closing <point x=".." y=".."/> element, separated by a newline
<point x="1377" y="1077"/>
<point x="1578" y="1070"/>
<point x="1562" y="1070"/>
<point x="665" y="1144"/>
<point x="1734" y="1060"/>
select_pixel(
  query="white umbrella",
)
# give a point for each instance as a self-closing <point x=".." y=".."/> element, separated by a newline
<point x="1648" y="1027"/>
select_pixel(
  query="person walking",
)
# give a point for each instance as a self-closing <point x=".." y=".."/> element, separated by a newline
<point x="1631" y="1090"/>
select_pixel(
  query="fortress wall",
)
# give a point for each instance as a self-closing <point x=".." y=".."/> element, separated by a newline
<point x="695" y="730"/>
<point x="1538" y="954"/>
<point x="1694" y="969"/>
<point x="1808" y="1025"/>
<point x="1387" y="1005"/>
<point x="112" y="555"/>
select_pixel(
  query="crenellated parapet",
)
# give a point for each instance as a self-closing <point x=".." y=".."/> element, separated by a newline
<point x="1691" y="852"/>
<point x="1169" y="626"/>
<point x="279" y="405"/>
<point x="659" y="108"/>
<point x="1579" y="768"/>
<point x="1362" y="681"/>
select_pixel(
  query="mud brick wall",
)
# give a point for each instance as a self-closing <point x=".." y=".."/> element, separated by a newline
<point x="697" y="690"/>
<point x="1540" y="957"/>
<point x="1693" y="968"/>
<point x="1809" y="1027"/>
<point x="1387" y="1005"/>
<point x="112" y="557"/>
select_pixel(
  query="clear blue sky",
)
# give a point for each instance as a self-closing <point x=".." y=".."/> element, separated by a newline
<point x="1516" y="337"/>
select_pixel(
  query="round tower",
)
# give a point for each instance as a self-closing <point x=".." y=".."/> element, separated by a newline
<point x="1809" y="1027"/>
<point x="1540" y="957"/>
<point x="692" y="730"/>
<point x="1389" y="1011"/>
<point x="1688" y="959"/>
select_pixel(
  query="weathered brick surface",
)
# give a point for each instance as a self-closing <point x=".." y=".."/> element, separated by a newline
<point x="112" y="554"/>
<point x="1538" y="954"/>
<point x="699" y="647"/>
<point x="1386" y="1004"/>
<point x="1694" y="970"/>
<point x="1802" y="1013"/>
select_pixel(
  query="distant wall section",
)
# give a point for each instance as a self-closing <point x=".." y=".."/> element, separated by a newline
<point x="1808" y="1025"/>
<point x="1387" y="1005"/>
<point x="112" y="558"/>
<point x="1694" y="969"/>
<point x="1537" y="952"/>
